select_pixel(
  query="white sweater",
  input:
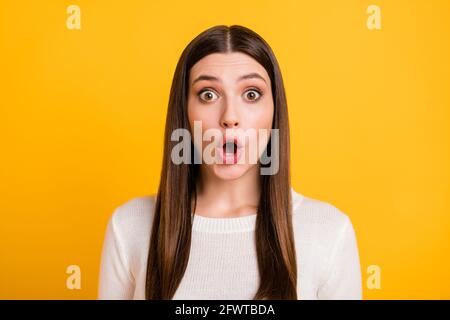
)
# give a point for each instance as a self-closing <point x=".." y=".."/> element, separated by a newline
<point x="223" y="263"/>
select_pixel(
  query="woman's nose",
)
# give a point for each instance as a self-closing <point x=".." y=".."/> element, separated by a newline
<point x="230" y="117"/>
<point x="230" y="123"/>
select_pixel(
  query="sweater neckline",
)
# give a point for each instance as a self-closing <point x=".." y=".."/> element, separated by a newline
<point x="245" y="223"/>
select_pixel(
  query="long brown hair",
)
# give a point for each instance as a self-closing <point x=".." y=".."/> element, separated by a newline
<point x="171" y="232"/>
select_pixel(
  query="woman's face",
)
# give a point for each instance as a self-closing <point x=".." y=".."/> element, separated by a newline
<point x="231" y="93"/>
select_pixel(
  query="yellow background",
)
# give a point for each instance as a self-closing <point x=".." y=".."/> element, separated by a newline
<point x="82" y="115"/>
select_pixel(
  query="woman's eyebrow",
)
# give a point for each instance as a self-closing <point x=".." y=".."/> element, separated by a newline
<point x="212" y="78"/>
<point x="251" y="76"/>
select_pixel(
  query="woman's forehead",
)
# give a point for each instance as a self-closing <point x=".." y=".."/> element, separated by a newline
<point x="227" y="65"/>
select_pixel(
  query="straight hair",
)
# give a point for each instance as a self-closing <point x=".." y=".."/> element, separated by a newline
<point x="170" y="238"/>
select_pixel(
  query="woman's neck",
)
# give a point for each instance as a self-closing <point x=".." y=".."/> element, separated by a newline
<point x="220" y="198"/>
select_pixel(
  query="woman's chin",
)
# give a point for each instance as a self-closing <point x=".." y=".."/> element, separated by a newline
<point x="229" y="171"/>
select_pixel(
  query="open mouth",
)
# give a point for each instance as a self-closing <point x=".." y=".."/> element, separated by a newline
<point x="230" y="147"/>
<point x="230" y="151"/>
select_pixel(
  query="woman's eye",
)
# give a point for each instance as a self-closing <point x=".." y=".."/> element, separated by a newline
<point x="252" y="95"/>
<point x="208" y="95"/>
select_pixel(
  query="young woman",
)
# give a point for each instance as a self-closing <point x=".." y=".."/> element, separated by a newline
<point x="228" y="229"/>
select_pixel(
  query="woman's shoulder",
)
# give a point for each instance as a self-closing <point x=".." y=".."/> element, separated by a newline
<point x="125" y="245"/>
<point x="328" y="247"/>
<point x="131" y="220"/>
<point x="321" y="215"/>
<point x="134" y="209"/>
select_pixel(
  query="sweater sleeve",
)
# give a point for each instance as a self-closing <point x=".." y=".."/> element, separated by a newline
<point x="344" y="277"/>
<point x="115" y="279"/>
